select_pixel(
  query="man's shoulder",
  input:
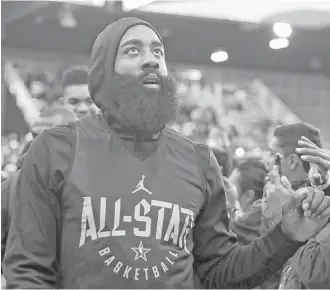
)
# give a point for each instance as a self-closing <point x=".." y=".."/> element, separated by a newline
<point x="60" y="138"/>
<point x="183" y="140"/>
<point x="62" y="131"/>
<point x="91" y="126"/>
<point x="202" y="151"/>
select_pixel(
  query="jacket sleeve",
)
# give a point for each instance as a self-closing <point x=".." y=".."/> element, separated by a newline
<point x="312" y="261"/>
<point x="33" y="240"/>
<point x="247" y="227"/>
<point x="219" y="261"/>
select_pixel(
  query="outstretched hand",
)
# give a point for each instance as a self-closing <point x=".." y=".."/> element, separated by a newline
<point x="304" y="212"/>
<point x="320" y="159"/>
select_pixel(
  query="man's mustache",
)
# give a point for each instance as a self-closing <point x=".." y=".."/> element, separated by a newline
<point x="148" y="72"/>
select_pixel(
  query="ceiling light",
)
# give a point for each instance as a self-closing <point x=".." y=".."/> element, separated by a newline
<point x="279" y="43"/>
<point x="282" y="30"/>
<point x="240" y="152"/>
<point x="219" y="56"/>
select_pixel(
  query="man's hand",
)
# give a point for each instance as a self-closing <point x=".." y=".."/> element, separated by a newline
<point x="305" y="213"/>
<point x="319" y="158"/>
<point x="274" y="188"/>
<point x="275" y="195"/>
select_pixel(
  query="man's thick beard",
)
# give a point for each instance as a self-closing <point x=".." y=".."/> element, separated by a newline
<point x="139" y="109"/>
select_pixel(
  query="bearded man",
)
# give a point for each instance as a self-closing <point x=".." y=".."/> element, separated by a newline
<point x="119" y="200"/>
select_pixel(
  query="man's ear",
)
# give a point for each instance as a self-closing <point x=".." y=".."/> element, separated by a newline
<point x="294" y="161"/>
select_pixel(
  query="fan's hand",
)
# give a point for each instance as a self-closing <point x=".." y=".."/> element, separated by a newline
<point x="320" y="159"/>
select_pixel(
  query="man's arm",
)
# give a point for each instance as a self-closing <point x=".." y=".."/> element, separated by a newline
<point x="312" y="261"/>
<point x="31" y="257"/>
<point x="248" y="227"/>
<point x="219" y="261"/>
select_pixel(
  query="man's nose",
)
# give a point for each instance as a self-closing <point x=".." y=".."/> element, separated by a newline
<point x="83" y="108"/>
<point x="150" y="63"/>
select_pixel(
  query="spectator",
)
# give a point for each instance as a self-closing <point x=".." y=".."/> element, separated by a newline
<point x="284" y="142"/>
<point x="310" y="266"/>
<point x="249" y="180"/>
<point x="74" y="94"/>
<point x="40" y="89"/>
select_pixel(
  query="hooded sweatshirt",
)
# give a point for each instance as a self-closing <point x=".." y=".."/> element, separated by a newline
<point x="103" y="58"/>
<point x="91" y="214"/>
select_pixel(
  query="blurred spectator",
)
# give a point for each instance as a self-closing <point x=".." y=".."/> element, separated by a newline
<point x="40" y="88"/>
<point x="309" y="268"/>
<point x="74" y="93"/>
<point x="233" y="98"/>
<point x="249" y="180"/>
<point x="284" y="142"/>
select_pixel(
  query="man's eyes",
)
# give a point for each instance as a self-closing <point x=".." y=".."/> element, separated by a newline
<point x="134" y="51"/>
<point x="73" y="101"/>
<point x="159" y="51"/>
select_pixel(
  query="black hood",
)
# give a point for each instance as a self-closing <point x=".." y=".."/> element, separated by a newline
<point x="103" y="57"/>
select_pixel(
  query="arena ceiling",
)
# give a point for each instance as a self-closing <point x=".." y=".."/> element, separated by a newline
<point x="189" y="40"/>
<point x="302" y="13"/>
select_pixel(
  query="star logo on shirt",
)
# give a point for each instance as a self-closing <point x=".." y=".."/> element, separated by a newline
<point x="140" y="252"/>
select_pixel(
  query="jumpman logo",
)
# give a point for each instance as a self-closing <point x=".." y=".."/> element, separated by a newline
<point x="141" y="186"/>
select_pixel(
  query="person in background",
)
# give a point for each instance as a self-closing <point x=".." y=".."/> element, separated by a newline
<point x="120" y="200"/>
<point x="41" y="91"/>
<point x="286" y="138"/>
<point x="284" y="142"/>
<point x="309" y="268"/>
<point x="249" y="180"/>
<point x="74" y="93"/>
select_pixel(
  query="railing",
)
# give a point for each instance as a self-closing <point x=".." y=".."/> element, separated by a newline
<point x="271" y="105"/>
<point x="21" y="94"/>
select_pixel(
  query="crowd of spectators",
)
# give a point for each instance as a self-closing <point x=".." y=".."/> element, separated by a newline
<point x="202" y="123"/>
